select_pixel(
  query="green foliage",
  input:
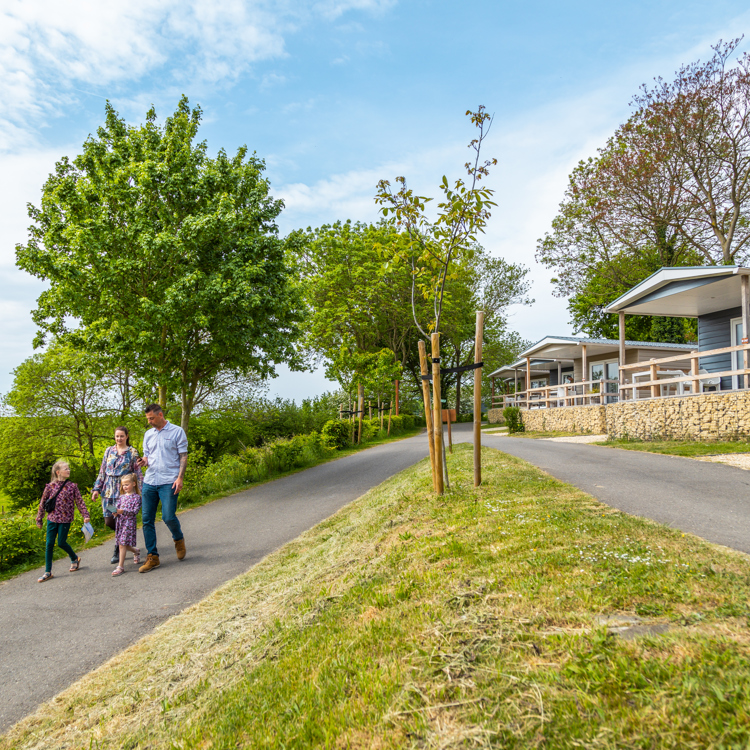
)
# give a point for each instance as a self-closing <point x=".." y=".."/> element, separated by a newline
<point x="513" y="419"/>
<point x="336" y="433"/>
<point x="435" y="245"/>
<point x="254" y="464"/>
<point x="162" y="259"/>
<point x="20" y="540"/>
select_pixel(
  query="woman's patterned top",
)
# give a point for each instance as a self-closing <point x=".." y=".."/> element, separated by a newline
<point x="64" y="505"/>
<point x="114" y="466"/>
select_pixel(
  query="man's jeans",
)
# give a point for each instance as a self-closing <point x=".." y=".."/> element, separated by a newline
<point x="152" y="494"/>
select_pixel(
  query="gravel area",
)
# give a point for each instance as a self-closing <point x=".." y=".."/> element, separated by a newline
<point x="740" y="460"/>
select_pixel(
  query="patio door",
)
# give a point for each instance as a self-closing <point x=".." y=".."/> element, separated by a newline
<point x="606" y="371"/>
<point x="738" y="361"/>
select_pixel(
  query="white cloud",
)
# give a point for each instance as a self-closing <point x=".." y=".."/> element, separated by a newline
<point x="47" y="48"/>
<point x="335" y="8"/>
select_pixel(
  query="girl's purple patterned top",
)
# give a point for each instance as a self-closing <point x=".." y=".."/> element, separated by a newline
<point x="64" y="505"/>
<point x="129" y="504"/>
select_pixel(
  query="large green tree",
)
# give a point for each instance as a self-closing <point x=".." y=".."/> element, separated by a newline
<point x="359" y="301"/>
<point x="671" y="187"/>
<point x="162" y="259"/>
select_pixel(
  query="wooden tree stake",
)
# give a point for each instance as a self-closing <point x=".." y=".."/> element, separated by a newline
<point x="437" y="412"/>
<point x="478" y="400"/>
<point x="360" y="409"/>
<point x="427" y="408"/>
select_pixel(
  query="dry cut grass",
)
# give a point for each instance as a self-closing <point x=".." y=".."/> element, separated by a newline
<point x="497" y="617"/>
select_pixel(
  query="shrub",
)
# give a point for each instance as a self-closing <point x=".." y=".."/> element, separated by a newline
<point x="336" y="433"/>
<point x="397" y="424"/>
<point x="20" y="540"/>
<point x="512" y="416"/>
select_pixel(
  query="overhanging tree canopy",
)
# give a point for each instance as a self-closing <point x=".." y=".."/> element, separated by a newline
<point x="166" y="260"/>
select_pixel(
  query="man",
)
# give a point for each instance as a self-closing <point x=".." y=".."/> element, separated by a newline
<point x="165" y="455"/>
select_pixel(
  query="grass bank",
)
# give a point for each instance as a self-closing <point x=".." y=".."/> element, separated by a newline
<point x="679" y="447"/>
<point x="475" y="620"/>
<point x="194" y="500"/>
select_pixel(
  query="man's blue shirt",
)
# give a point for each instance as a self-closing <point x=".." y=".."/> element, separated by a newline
<point x="162" y="448"/>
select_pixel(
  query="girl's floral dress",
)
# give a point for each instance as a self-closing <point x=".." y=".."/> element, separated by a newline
<point x="114" y="466"/>
<point x="125" y="523"/>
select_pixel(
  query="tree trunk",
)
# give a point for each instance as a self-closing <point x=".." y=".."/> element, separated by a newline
<point x="163" y="397"/>
<point x="458" y="394"/>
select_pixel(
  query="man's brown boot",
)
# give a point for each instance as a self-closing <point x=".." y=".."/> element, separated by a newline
<point x="152" y="561"/>
<point x="179" y="546"/>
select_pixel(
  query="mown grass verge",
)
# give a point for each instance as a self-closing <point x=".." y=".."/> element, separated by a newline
<point x="544" y="434"/>
<point x="408" y="620"/>
<point x="680" y="447"/>
<point x="190" y="500"/>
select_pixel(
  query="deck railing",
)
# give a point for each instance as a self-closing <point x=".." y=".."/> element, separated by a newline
<point x="651" y="375"/>
<point x="582" y="393"/>
<point x="629" y="389"/>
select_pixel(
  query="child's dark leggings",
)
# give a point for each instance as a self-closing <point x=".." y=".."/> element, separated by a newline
<point x="57" y="531"/>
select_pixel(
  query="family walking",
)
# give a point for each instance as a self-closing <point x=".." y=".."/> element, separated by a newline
<point x="123" y="492"/>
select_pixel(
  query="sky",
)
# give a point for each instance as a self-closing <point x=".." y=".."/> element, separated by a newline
<point x="335" y="95"/>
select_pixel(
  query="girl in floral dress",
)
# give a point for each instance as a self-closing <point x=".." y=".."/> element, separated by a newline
<point x="128" y="505"/>
<point x="67" y="497"/>
<point x="119" y="459"/>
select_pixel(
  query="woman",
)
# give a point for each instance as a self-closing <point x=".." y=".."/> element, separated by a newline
<point x="66" y="497"/>
<point x="119" y="459"/>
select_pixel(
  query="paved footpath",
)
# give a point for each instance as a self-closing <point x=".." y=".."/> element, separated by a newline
<point x="56" y="632"/>
<point x="53" y="633"/>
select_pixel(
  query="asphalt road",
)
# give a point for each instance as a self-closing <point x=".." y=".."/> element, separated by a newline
<point x="707" y="499"/>
<point x="55" y="632"/>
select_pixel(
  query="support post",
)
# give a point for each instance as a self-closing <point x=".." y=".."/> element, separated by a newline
<point x="528" y="379"/>
<point x="450" y="436"/>
<point x="478" y="336"/>
<point x="585" y="376"/>
<point x="427" y="408"/>
<point x="360" y="409"/>
<point x="694" y="371"/>
<point x="621" y="355"/>
<point x="437" y="411"/>
<point x="395" y="383"/>
<point x="745" y="284"/>
<point x="652" y="376"/>
<point x="369" y="407"/>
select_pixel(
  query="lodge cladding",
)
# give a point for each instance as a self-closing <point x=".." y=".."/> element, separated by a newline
<point x="644" y="389"/>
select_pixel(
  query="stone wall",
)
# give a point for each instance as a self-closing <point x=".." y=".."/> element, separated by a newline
<point x="584" y="419"/>
<point x="707" y="416"/>
<point x="495" y="416"/>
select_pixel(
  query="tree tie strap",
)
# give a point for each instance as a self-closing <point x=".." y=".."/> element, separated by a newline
<point x="448" y="370"/>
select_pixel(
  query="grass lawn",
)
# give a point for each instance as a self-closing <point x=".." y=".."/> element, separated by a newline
<point x="545" y="434"/>
<point x="103" y="536"/>
<point x="680" y="448"/>
<point x="472" y="620"/>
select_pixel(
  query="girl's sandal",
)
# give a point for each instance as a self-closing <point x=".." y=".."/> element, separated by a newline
<point x="75" y="566"/>
<point x="44" y="578"/>
<point x="118" y="571"/>
<point x="137" y="557"/>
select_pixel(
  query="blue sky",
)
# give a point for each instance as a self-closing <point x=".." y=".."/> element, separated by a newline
<point x="336" y="94"/>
